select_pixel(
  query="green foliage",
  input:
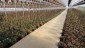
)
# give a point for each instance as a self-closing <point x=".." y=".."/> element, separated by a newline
<point x="73" y="35"/>
<point x="13" y="28"/>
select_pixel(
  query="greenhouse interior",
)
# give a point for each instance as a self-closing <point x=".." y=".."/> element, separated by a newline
<point x="42" y="23"/>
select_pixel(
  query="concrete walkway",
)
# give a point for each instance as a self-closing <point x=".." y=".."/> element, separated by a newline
<point x="47" y="36"/>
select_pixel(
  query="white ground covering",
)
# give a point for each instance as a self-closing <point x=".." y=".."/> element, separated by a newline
<point x="26" y="9"/>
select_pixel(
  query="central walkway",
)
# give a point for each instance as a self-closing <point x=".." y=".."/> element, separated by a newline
<point x="47" y="36"/>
